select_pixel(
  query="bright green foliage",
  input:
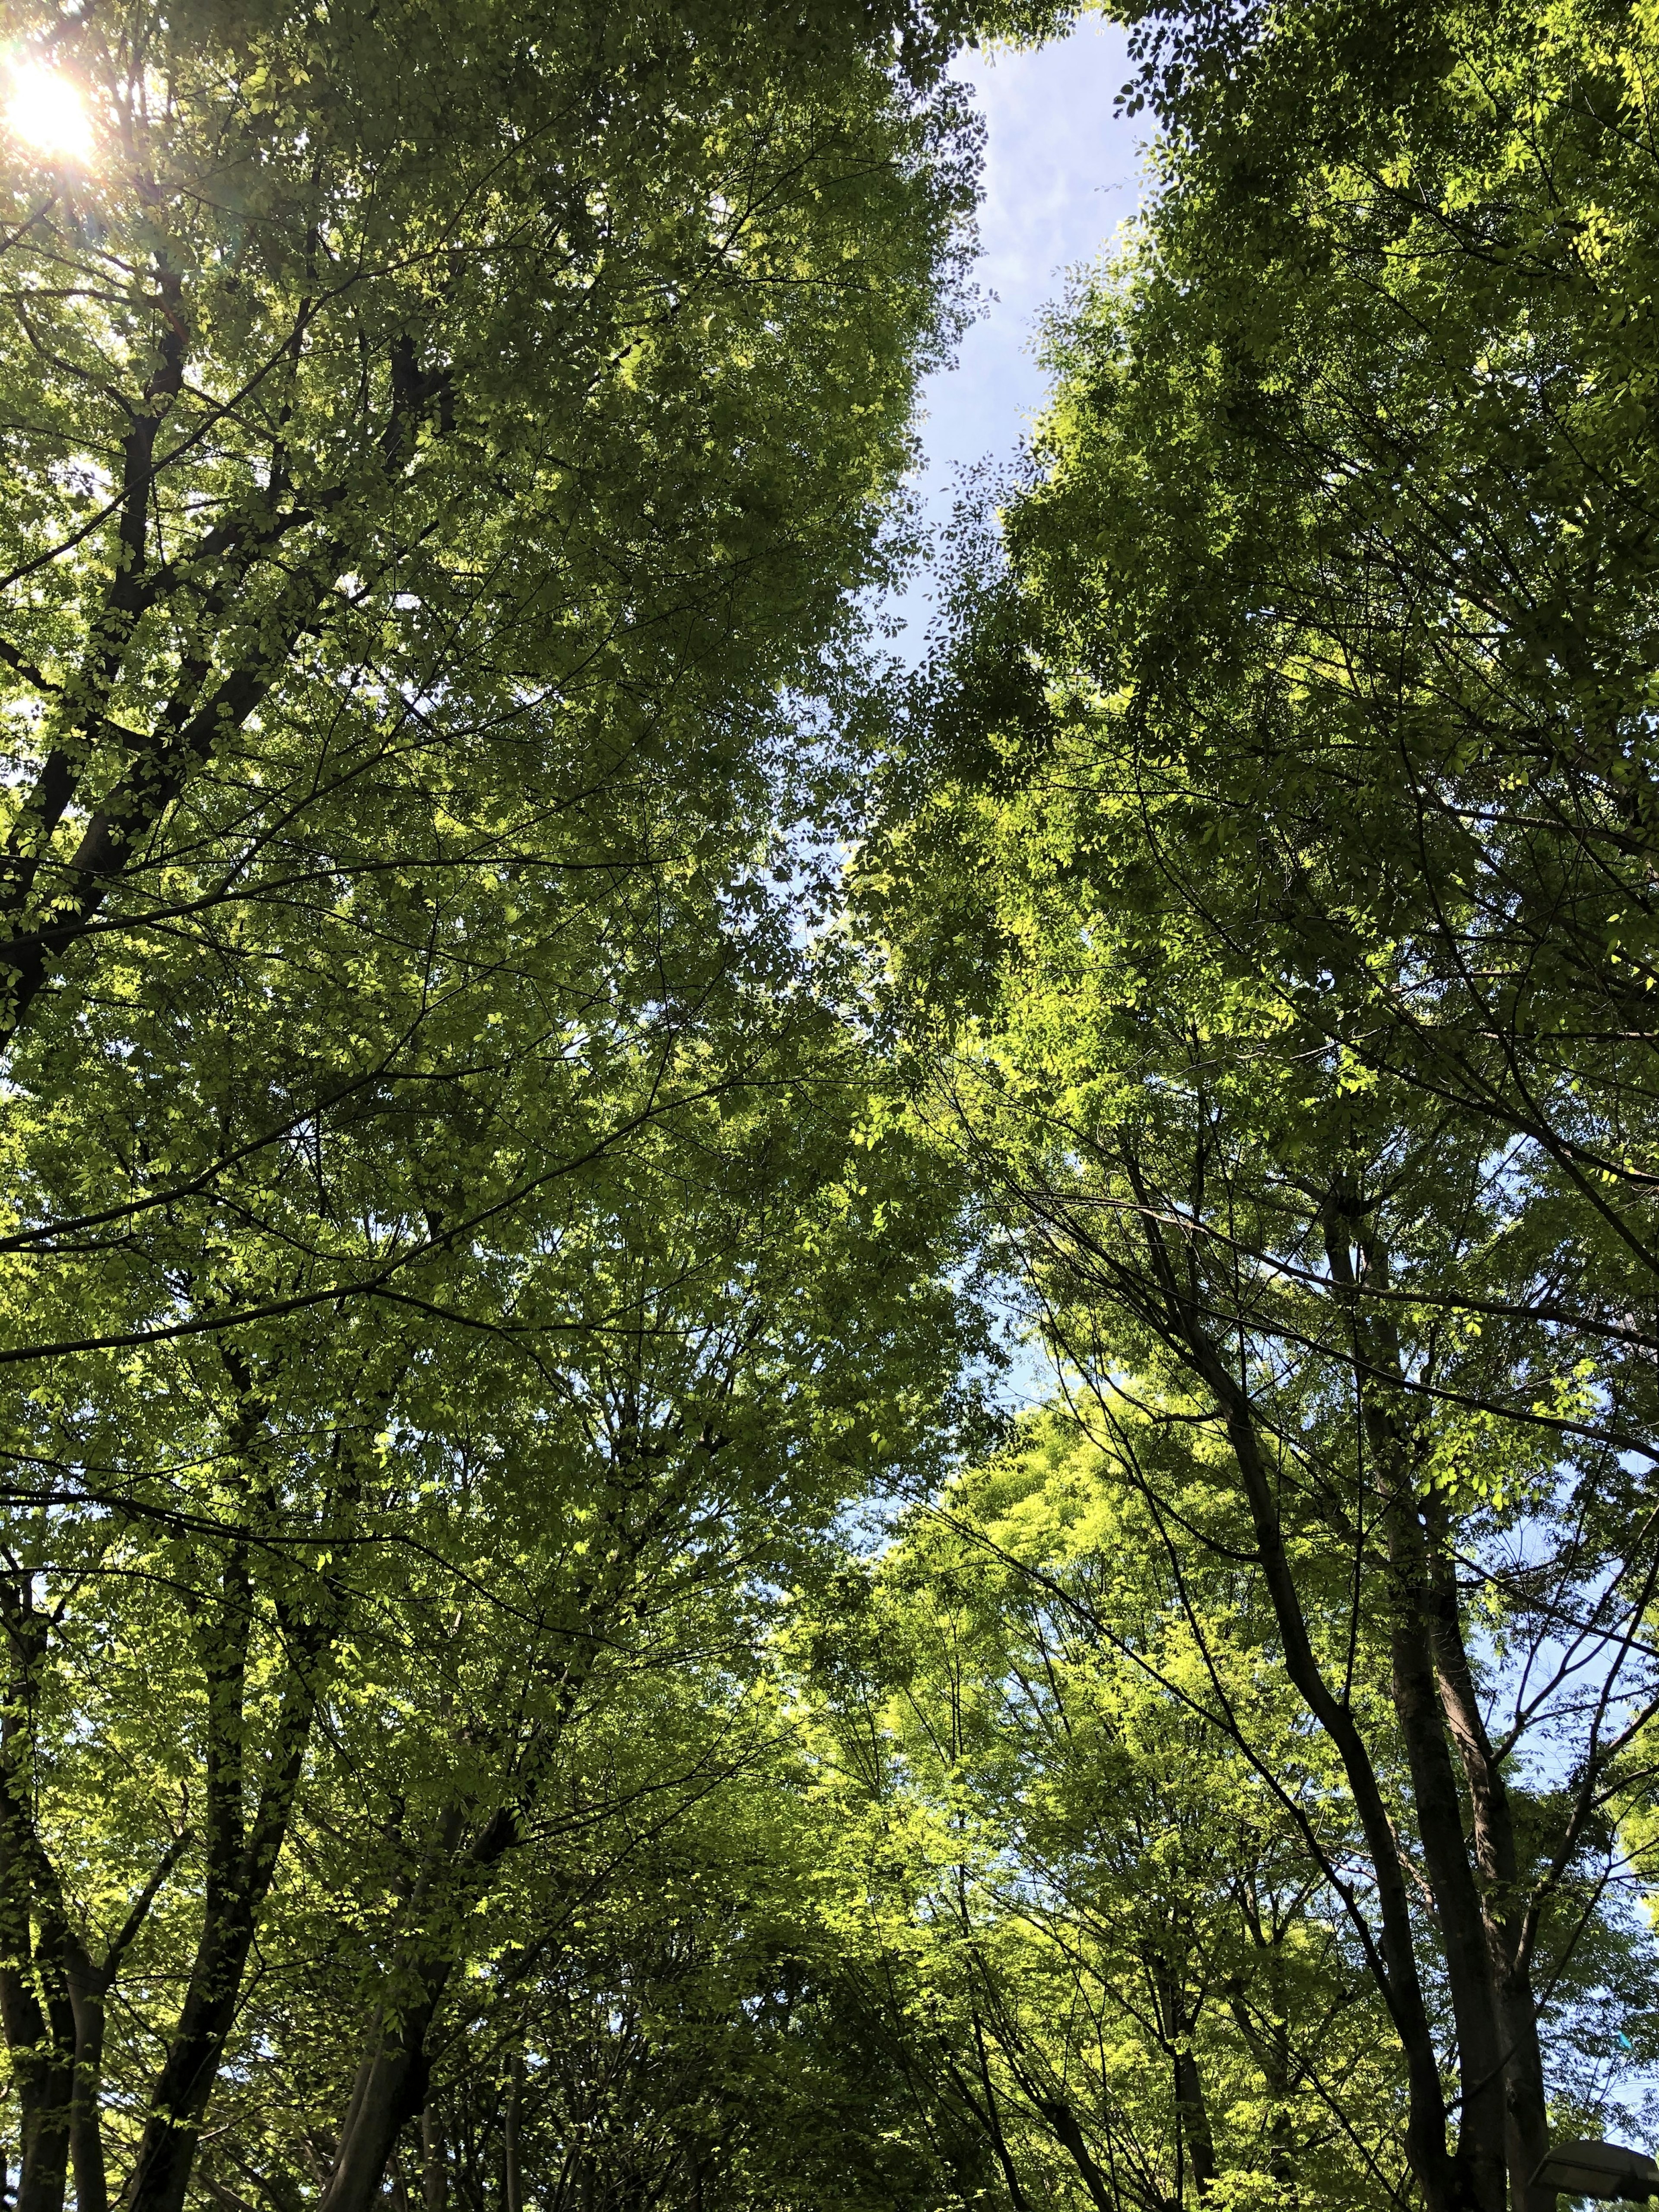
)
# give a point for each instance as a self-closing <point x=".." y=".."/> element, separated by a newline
<point x="341" y="1626"/>
<point x="454" y="1264"/>
<point x="1081" y="1791"/>
<point x="1264" y="883"/>
<point x="1346" y="561"/>
<point x="457" y="1267"/>
<point x="413" y="550"/>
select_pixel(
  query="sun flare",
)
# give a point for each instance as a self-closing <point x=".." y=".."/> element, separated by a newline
<point x="46" y="111"/>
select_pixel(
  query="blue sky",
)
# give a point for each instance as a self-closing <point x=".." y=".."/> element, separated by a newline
<point x="1061" y="171"/>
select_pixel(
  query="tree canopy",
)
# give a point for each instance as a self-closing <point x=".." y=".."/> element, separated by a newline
<point x="541" y="1072"/>
<point x="454" y="1262"/>
<point x="1265" y="879"/>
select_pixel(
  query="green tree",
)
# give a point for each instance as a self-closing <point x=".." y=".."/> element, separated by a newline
<point x="1273" y="849"/>
<point x="447" y="1239"/>
<point x="406" y="551"/>
<point x="1101" y="1844"/>
<point x="310" y="1704"/>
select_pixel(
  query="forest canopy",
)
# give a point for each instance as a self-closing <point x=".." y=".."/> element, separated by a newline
<point x="548" y="1077"/>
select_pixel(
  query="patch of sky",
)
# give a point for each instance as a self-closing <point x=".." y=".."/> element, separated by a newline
<point x="1063" y="171"/>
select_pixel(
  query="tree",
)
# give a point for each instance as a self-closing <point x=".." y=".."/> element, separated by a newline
<point x="393" y="535"/>
<point x="303" y="1709"/>
<point x="696" y="2032"/>
<point x="1078" y="1786"/>
<point x="1348" y="545"/>
<point x="1264" y="858"/>
<point x="435" y="442"/>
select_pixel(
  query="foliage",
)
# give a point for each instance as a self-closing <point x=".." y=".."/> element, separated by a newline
<point x="1081" y="1787"/>
<point x="467" y="1243"/>
<point x="454" y="1262"/>
<point x="1262" y="890"/>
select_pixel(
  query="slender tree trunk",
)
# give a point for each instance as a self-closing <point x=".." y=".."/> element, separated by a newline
<point x="89" y="1986"/>
<point x="511" y="2189"/>
<point x="65" y="2130"/>
<point x="1195" y="2120"/>
<point x="434" y="2178"/>
<point x="240" y="1866"/>
<point x="1503" y="1904"/>
<point x="86" y="2130"/>
<point x="46" y="2082"/>
<point x="39" y="2036"/>
<point x="1192" y="2114"/>
<point x="1395" y="1970"/>
<point x="395" y="2073"/>
<point x="390" y="2090"/>
<point x="167" y="2150"/>
<point x="1070" y="2135"/>
<point x="991" y="2121"/>
<point x="1416" y="1640"/>
<point x="1481" y="2131"/>
<point x="1172" y="1298"/>
<point x="393" y="2078"/>
<point x="1271" y="2050"/>
<point x="1276" y="2069"/>
<point x="1192" y="2110"/>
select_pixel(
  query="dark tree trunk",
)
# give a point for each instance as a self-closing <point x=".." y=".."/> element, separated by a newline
<point x="1418" y="1628"/>
<point x="1192" y="2116"/>
<point x="1508" y="1928"/>
<point x="1192" y="2110"/>
<point x="40" y="2036"/>
<point x="242" y="1864"/>
<point x="1070" y="2135"/>
<point x="512" y="2187"/>
<point x="1395" y="1970"/>
<point x="393" y="2078"/>
<point x="1392" y="1963"/>
<point x="395" y="2074"/>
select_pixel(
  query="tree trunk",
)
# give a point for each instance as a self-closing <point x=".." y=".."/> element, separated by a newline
<point x="1070" y="2135"/>
<point x="1416" y="1612"/>
<point x="45" y="2075"/>
<point x="86" y="2128"/>
<point x="1395" y="1970"/>
<point x="393" y="2078"/>
<point x="240" y="1866"/>
<point x="40" y="2036"/>
<point x="1502" y="1903"/>
<point x="1271" y="2048"/>
<point x="1192" y="2116"/>
<point x="511" y="2189"/>
<point x="990" y="2120"/>
<point x="1191" y="2109"/>
<point x="66" y="2127"/>
<point x="434" y="2179"/>
<point x="1481" y="2131"/>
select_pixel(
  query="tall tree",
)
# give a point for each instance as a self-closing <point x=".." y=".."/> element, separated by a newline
<point x="434" y="441"/>
<point x="1080" y="1802"/>
<point x="338" y="1659"/>
<point x="1295" y="761"/>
